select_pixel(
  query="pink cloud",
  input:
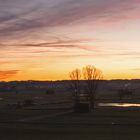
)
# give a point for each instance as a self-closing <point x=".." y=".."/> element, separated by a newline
<point x="66" y="12"/>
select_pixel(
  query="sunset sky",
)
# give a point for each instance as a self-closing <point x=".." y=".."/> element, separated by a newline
<point x="46" y="39"/>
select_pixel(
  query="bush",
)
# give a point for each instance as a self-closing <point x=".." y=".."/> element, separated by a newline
<point x="50" y="91"/>
<point x="28" y="102"/>
<point x="81" y="108"/>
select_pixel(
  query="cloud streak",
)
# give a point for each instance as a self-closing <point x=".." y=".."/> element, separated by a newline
<point x="65" y="12"/>
<point x="7" y="74"/>
<point x="57" y="45"/>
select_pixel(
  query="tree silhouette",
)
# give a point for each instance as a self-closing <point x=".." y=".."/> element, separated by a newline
<point x="75" y="76"/>
<point x="92" y="75"/>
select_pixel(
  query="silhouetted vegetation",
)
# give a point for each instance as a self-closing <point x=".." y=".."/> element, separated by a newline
<point x="91" y="76"/>
<point x="28" y="102"/>
<point x="50" y="91"/>
<point x="75" y="76"/>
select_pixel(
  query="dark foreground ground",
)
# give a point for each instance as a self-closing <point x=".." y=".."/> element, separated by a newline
<point x="52" y="118"/>
<point x="105" y="123"/>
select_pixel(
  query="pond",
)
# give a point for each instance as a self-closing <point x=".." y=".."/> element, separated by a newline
<point x="119" y="104"/>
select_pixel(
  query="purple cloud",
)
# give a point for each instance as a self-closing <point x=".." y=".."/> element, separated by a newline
<point x="21" y="16"/>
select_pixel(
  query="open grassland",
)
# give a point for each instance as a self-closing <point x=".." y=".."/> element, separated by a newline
<point x="51" y="118"/>
<point x="103" y="124"/>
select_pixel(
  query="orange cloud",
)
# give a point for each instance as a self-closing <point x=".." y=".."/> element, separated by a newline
<point x="7" y="74"/>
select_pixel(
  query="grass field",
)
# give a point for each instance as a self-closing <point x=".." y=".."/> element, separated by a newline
<point x="52" y="119"/>
<point x="102" y="124"/>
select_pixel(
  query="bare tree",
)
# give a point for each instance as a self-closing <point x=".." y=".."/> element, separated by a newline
<point x="92" y="75"/>
<point x="75" y="76"/>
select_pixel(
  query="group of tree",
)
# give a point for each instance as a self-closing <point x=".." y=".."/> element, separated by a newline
<point x="91" y="76"/>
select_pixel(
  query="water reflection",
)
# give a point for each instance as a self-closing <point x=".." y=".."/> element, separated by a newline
<point x="119" y="104"/>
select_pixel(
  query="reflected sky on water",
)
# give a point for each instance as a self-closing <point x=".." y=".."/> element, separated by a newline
<point x="119" y="104"/>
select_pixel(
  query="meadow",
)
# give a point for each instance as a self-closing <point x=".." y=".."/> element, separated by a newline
<point x="51" y="117"/>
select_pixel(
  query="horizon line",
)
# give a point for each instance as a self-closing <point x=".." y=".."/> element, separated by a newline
<point x="66" y="80"/>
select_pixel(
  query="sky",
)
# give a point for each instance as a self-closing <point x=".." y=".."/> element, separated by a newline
<point x="46" y="39"/>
